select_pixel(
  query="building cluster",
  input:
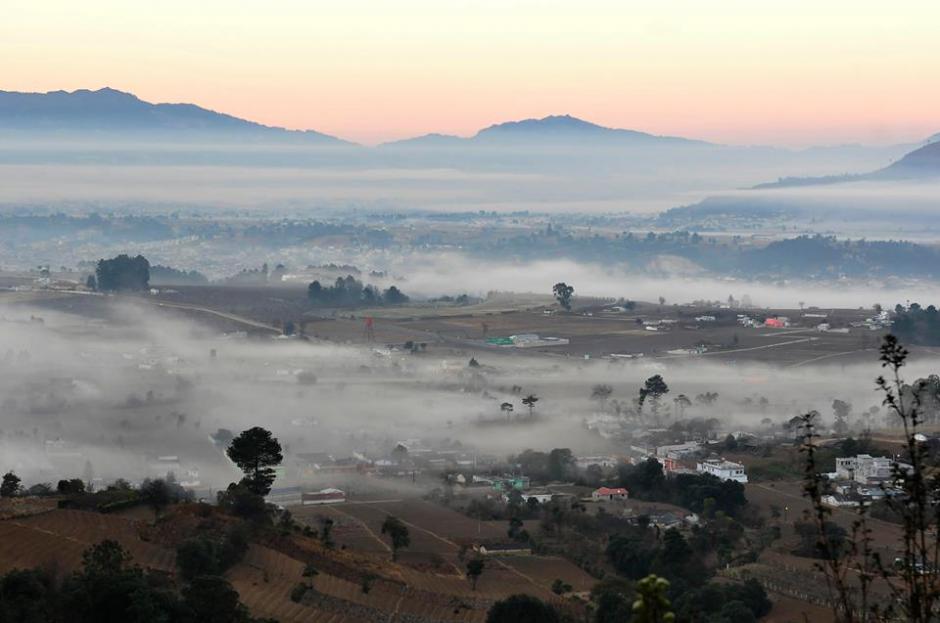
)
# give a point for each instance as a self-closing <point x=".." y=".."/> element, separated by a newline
<point x="408" y="458"/>
<point x="746" y="321"/>
<point x="862" y="479"/>
<point x="881" y="320"/>
<point x="680" y="457"/>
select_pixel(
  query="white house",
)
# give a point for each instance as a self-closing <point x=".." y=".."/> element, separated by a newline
<point x="584" y="462"/>
<point x="542" y="497"/>
<point x="722" y="469"/>
<point x="837" y="501"/>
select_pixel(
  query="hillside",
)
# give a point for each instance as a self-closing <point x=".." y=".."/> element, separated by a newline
<point x="922" y="163"/>
<point x="111" y="113"/>
<point x="426" y="586"/>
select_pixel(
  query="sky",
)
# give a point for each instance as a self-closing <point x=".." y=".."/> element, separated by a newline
<point x="796" y="72"/>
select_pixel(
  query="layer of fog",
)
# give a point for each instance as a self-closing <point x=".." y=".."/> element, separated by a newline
<point x="871" y="209"/>
<point x="111" y="392"/>
<point x="640" y="180"/>
<point x="676" y="280"/>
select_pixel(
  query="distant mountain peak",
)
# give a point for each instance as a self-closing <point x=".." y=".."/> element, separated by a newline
<point x="550" y="123"/>
<point x="565" y="128"/>
<point x="433" y="139"/>
<point x="569" y="128"/>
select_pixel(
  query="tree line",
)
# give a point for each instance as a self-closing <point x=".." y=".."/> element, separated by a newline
<point x="350" y="292"/>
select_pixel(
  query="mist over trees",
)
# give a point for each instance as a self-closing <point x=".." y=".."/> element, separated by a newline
<point x="256" y="452"/>
<point x="917" y="325"/>
<point x="168" y="276"/>
<point x="654" y="388"/>
<point x="806" y="256"/>
<point x="350" y="292"/>
<point x="10" y="486"/>
<point x="123" y="273"/>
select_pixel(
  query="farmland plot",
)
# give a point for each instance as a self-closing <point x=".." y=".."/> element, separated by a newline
<point x="348" y="530"/>
<point x="443" y="521"/>
<point x="422" y="540"/>
<point x="84" y="529"/>
<point x="25" y="548"/>
<point x="546" y="569"/>
<point x="270" y="597"/>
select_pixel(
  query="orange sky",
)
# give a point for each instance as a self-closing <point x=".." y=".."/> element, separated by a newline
<point x="738" y="71"/>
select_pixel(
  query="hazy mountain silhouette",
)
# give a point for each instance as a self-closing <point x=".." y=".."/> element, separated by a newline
<point x="922" y="163"/>
<point x="555" y="129"/>
<point x="429" y="140"/>
<point x="108" y="112"/>
<point x="565" y="128"/>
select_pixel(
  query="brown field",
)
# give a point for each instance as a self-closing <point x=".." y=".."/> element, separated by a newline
<point x="25" y="548"/>
<point x="789" y="610"/>
<point x="265" y="578"/>
<point x="787" y="495"/>
<point x="436" y="533"/>
<point x="270" y="597"/>
<point x="60" y="536"/>
<point x="546" y="569"/>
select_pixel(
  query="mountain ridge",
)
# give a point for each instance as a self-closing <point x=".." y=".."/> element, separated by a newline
<point x="111" y="111"/>
<point x="922" y="163"/>
<point x="565" y="129"/>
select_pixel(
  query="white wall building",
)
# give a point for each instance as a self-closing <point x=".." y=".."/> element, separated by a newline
<point x="722" y="469"/>
<point x="540" y="497"/>
<point x="583" y="462"/>
<point x="865" y="469"/>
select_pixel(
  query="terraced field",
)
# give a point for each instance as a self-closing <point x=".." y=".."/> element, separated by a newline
<point x="445" y="522"/>
<point x="546" y="569"/>
<point x="270" y="597"/>
<point x="441" y="593"/>
<point x="24" y="548"/>
<point x="399" y="593"/>
<point x="62" y="535"/>
<point x="348" y="529"/>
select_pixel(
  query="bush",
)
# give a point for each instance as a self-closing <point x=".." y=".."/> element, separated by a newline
<point x="522" y="609"/>
<point x="195" y="557"/>
<point x="299" y="591"/>
<point x="204" y="555"/>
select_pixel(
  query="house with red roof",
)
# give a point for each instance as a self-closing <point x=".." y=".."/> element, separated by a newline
<point x="605" y="493"/>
